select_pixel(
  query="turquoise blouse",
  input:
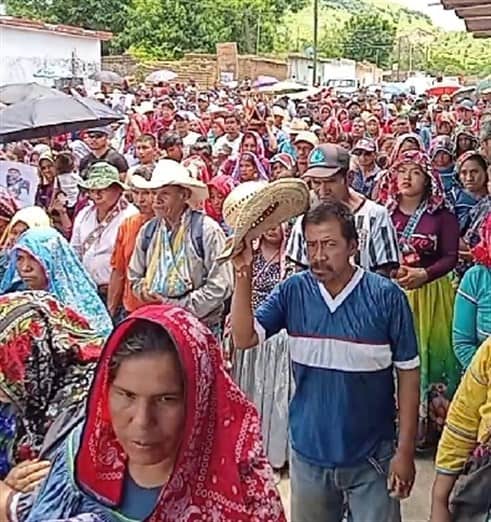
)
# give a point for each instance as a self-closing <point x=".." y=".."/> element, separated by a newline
<point x="472" y="313"/>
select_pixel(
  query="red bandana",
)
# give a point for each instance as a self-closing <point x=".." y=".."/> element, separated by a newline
<point x="221" y="472"/>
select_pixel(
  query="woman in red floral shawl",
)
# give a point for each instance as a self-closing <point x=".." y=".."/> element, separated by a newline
<point x="168" y="436"/>
<point x="48" y="356"/>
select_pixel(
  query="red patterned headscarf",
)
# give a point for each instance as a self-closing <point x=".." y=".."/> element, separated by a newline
<point x="482" y="251"/>
<point x="388" y="193"/>
<point x="221" y="472"/>
<point x="224" y="185"/>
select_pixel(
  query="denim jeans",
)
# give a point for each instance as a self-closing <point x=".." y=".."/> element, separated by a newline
<point x="319" y="494"/>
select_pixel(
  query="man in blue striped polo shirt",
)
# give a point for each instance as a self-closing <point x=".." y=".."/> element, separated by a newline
<point x="348" y="329"/>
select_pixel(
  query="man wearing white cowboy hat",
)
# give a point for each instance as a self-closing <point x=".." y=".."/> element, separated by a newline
<point x="175" y="254"/>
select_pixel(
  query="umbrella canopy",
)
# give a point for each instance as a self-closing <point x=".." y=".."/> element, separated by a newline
<point x="284" y="87"/>
<point x="20" y="92"/>
<point x="484" y="86"/>
<point x="264" y="81"/>
<point x="302" y="95"/>
<point x="164" y="75"/>
<point x="52" y="116"/>
<point x="463" y="92"/>
<point x="440" y="90"/>
<point x="107" y="77"/>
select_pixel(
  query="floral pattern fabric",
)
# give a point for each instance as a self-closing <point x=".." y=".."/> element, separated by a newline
<point x="47" y="356"/>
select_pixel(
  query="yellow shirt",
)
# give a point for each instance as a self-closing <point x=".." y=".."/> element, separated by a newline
<point x="469" y="418"/>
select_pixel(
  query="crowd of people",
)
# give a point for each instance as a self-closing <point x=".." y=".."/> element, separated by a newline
<point x="144" y="378"/>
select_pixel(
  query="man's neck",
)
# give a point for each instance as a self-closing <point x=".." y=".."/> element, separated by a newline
<point x="301" y="167"/>
<point x="367" y="170"/>
<point x="353" y="200"/>
<point x="147" y="162"/>
<point x="147" y="216"/>
<point x="233" y="137"/>
<point x="336" y="286"/>
<point x="102" y="213"/>
<point x="173" y="222"/>
<point x="101" y="152"/>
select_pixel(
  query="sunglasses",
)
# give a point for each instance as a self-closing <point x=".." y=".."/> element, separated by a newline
<point x="95" y="135"/>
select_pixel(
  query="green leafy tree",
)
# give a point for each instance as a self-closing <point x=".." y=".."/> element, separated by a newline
<point x="92" y="14"/>
<point x="370" y="37"/>
<point x="457" y="53"/>
<point x="168" y="28"/>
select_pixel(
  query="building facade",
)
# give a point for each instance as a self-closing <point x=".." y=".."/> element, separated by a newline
<point x="32" y="51"/>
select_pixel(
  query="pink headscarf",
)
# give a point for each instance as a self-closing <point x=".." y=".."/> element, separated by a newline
<point x="389" y="195"/>
<point x="482" y="251"/>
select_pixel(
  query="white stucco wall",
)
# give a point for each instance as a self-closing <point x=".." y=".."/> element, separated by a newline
<point x="30" y="55"/>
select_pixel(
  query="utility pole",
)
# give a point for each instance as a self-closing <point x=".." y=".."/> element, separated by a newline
<point x="316" y="27"/>
<point x="258" y="39"/>
<point x="399" y="58"/>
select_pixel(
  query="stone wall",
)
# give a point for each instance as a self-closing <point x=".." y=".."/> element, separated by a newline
<point x="201" y="67"/>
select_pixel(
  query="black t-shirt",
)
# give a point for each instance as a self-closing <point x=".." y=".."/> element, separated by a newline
<point x="113" y="157"/>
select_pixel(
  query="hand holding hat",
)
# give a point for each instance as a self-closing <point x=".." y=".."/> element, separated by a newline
<point x="254" y="207"/>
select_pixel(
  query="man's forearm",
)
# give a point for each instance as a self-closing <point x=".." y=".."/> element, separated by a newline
<point x="408" y="381"/>
<point x="241" y="317"/>
<point x="115" y="291"/>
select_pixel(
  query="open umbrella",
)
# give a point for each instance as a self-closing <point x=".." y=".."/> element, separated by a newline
<point x="264" y="81"/>
<point x="284" y="87"/>
<point x="164" y="75"/>
<point x="302" y="95"/>
<point x="441" y="89"/>
<point x="107" y="77"/>
<point x="484" y="86"/>
<point x="463" y="92"/>
<point x="19" y="92"/>
<point x="52" y="116"/>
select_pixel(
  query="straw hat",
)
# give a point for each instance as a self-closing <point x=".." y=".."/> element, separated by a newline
<point x="168" y="172"/>
<point x="297" y="125"/>
<point x="254" y="207"/>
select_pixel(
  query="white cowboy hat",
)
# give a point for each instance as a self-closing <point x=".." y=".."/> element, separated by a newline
<point x="145" y="107"/>
<point x="255" y="207"/>
<point x="168" y="172"/>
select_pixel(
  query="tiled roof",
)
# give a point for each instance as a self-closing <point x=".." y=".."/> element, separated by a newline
<point x="34" y="25"/>
<point x="476" y="13"/>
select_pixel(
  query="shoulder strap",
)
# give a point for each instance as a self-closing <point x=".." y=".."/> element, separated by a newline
<point x="197" y="219"/>
<point x="148" y="233"/>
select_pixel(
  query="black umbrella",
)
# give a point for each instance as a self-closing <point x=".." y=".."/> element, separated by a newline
<point x="20" y="92"/>
<point x="107" y="77"/>
<point x="52" y="116"/>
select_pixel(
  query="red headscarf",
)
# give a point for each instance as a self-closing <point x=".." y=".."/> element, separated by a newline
<point x="333" y="128"/>
<point x="389" y="194"/>
<point x="482" y="251"/>
<point x="224" y="185"/>
<point x="221" y="472"/>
